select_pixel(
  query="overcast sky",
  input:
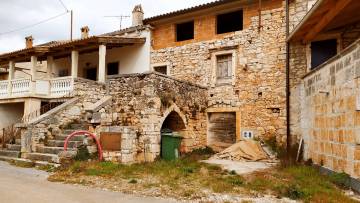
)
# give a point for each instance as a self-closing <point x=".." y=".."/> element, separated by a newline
<point x="15" y="14"/>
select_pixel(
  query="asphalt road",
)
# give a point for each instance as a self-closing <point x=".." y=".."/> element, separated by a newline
<point x="19" y="185"/>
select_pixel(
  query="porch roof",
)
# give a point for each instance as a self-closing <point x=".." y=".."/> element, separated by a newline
<point x="326" y="16"/>
<point x="60" y="49"/>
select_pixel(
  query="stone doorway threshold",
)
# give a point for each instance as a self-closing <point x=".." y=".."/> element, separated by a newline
<point x="241" y="167"/>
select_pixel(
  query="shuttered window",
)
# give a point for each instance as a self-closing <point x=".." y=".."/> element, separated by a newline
<point x="224" y="68"/>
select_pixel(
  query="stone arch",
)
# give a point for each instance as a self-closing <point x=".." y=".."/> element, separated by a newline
<point x="175" y="121"/>
<point x="173" y="108"/>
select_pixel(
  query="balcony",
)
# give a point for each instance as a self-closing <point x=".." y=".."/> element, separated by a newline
<point x="52" y="88"/>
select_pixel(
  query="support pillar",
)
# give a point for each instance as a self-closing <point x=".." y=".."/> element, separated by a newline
<point x="74" y="63"/>
<point x="33" y="68"/>
<point x="50" y="66"/>
<point x="33" y="74"/>
<point x="102" y="64"/>
<point x="11" y="76"/>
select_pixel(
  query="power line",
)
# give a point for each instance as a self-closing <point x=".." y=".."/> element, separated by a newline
<point x="62" y="3"/>
<point x="33" y="25"/>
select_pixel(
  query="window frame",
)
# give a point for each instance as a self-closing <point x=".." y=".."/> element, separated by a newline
<point x="217" y="21"/>
<point x="176" y="30"/>
<point x="153" y="66"/>
<point x="322" y="38"/>
<point x="214" y="57"/>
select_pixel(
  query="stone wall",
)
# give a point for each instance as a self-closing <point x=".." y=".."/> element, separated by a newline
<point x="330" y="114"/>
<point x="258" y="87"/>
<point x="143" y="102"/>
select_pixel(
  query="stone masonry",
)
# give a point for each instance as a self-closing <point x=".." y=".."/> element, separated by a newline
<point x="258" y="87"/>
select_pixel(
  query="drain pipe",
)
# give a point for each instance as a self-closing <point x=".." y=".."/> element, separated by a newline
<point x="288" y="135"/>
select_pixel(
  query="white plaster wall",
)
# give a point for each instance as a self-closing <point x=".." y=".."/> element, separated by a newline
<point x="132" y="59"/>
<point x="10" y="113"/>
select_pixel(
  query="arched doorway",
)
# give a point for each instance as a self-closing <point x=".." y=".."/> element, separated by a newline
<point x="173" y="125"/>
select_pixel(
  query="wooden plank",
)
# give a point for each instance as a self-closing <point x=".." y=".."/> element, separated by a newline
<point x="110" y="141"/>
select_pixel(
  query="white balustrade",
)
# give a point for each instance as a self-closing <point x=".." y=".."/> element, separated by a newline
<point x="4" y="88"/>
<point x="61" y="86"/>
<point x="20" y="87"/>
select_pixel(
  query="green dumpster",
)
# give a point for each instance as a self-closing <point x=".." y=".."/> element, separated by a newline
<point x="170" y="145"/>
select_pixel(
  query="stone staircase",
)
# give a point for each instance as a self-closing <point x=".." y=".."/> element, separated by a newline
<point x="50" y="150"/>
<point x="11" y="150"/>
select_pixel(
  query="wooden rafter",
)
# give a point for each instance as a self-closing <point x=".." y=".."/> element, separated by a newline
<point x="336" y="7"/>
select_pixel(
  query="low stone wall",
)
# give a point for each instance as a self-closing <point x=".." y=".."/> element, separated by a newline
<point x="330" y="113"/>
<point x="143" y="101"/>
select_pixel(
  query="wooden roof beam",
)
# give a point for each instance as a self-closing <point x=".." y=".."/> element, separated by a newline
<point x="336" y="7"/>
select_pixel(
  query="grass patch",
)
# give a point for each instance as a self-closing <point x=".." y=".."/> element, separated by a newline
<point x="187" y="177"/>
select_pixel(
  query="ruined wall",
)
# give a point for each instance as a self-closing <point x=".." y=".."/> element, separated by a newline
<point x="144" y="101"/>
<point x="258" y="86"/>
<point x="331" y="119"/>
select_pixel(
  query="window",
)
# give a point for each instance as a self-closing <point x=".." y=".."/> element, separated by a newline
<point x="91" y="73"/>
<point x="63" y="73"/>
<point x="161" y="69"/>
<point x="322" y="51"/>
<point x="113" y="68"/>
<point x="224" y="68"/>
<point x="229" y="22"/>
<point x="185" y="31"/>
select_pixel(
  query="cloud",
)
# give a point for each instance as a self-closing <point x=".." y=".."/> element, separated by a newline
<point x="20" y="13"/>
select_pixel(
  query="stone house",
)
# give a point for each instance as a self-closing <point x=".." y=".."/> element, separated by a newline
<point x="216" y="73"/>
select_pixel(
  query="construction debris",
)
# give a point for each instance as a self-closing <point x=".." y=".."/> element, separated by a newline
<point x="244" y="150"/>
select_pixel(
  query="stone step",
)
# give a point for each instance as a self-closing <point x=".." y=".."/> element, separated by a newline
<point x="51" y="158"/>
<point x="13" y="147"/>
<point x="75" y="138"/>
<point x="60" y="143"/>
<point x="51" y="150"/>
<point x="9" y="153"/>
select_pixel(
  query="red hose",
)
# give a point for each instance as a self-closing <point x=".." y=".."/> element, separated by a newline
<point x="87" y="133"/>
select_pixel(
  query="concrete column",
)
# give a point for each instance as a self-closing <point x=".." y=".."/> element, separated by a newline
<point x="31" y="105"/>
<point x="33" y="68"/>
<point x="74" y="63"/>
<point x="50" y="66"/>
<point x="33" y="74"/>
<point x="102" y="64"/>
<point x="11" y="75"/>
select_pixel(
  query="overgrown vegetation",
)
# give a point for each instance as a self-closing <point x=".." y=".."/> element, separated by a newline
<point x="188" y="178"/>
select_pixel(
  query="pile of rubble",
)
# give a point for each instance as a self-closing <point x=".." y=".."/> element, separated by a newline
<point x="245" y="150"/>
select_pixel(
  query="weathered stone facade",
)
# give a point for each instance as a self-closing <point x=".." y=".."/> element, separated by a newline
<point x="257" y="91"/>
<point x="144" y="101"/>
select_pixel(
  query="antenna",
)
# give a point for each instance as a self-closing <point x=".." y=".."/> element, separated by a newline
<point x="71" y="18"/>
<point x="120" y="17"/>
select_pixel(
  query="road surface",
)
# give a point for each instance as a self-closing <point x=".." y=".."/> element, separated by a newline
<point x="19" y="185"/>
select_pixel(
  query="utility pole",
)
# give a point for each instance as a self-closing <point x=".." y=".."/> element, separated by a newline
<point x="120" y="17"/>
<point x="71" y="24"/>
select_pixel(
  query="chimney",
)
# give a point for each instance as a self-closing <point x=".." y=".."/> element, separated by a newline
<point x="137" y="15"/>
<point x="29" y="42"/>
<point x="85" y="32"/>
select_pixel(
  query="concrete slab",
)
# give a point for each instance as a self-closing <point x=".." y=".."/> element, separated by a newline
<point x="240" y="167"/>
